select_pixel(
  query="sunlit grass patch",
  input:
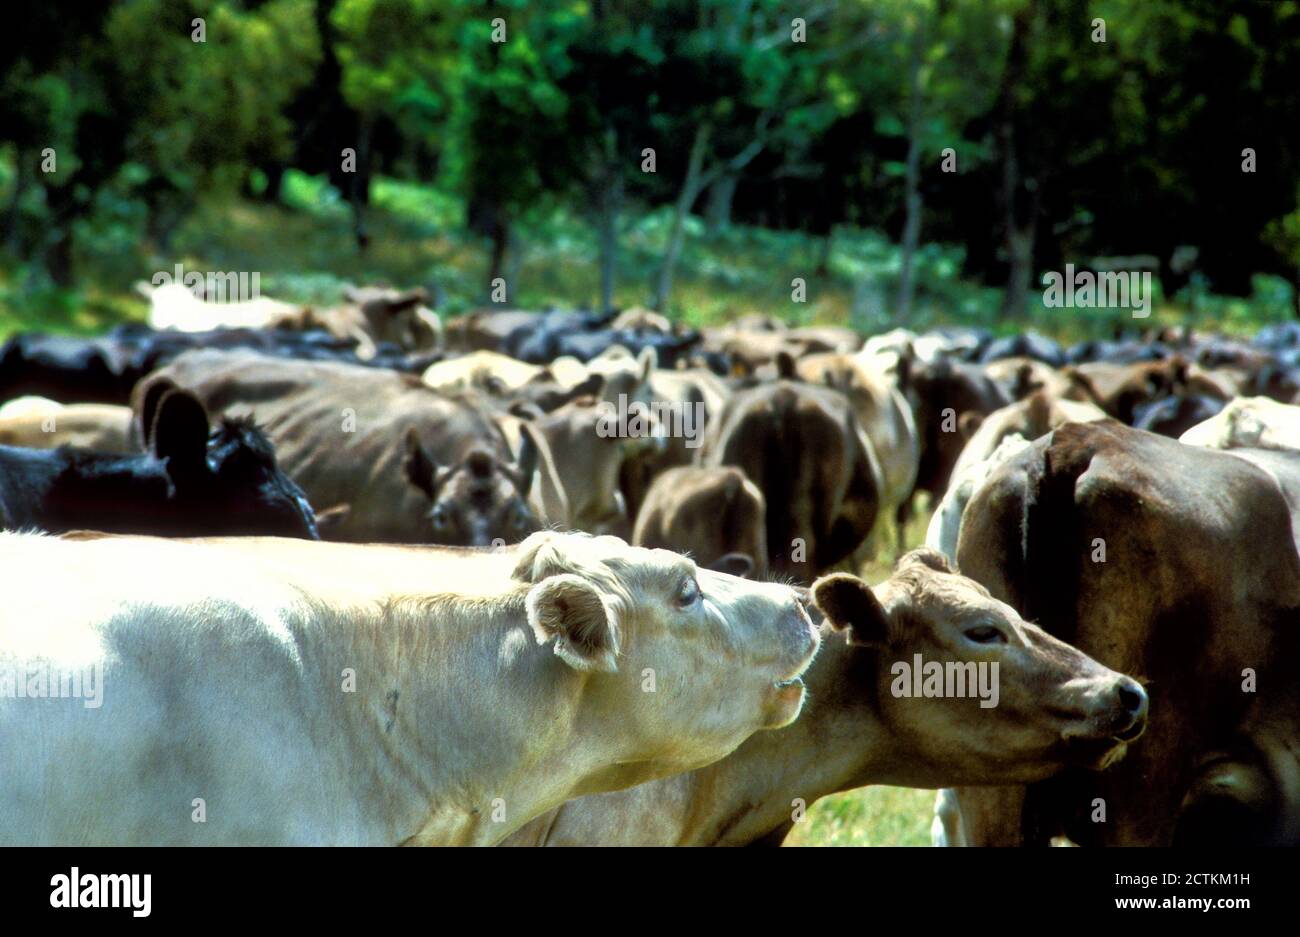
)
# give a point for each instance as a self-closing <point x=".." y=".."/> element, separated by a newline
<point x="869" y="816"/>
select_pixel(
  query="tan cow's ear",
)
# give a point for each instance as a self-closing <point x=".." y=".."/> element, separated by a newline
<point x="568" y="610"/>
<point x="848" y="603"/>
<point x="969" y="422"/>
<point x="925" y="556"/>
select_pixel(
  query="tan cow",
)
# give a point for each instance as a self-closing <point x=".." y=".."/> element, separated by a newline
<point x="40" y="423"/>
<point x="349" y="694"/>
<point x="1033" y="417"/>
<point x="482" y="370"/>
<point x="371" y="315"/>
<point x="589" y="464"/>
<point x="944" y="530"/>
<point x="1055" y="707"/>
<point x="883" y="413"/>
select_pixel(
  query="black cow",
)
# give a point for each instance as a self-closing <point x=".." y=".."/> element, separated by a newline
<point x="1029" y="345"/>
<point x="669" y="348"/>
<point x="186" y="483"/>
<point x="105" y="369"/>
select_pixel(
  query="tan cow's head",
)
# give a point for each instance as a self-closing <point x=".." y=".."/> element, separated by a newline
<point x="478" y="499"/>
<point x="686" y="662"/>
<point x="971" y="690"/>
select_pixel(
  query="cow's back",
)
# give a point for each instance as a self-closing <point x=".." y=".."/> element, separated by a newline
<point x="1173" y="564"/>
<point x="339" y="431"/>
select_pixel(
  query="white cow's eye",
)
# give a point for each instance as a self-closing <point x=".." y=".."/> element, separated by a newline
<point x="688" y="594"/>
<point x="986" y="634"/>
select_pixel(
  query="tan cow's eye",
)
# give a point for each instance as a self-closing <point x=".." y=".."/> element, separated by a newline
<point x="688" y="594"/>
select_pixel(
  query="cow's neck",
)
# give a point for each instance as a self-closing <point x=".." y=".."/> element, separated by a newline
<point x="467" y="727"/>
<point x="837" y="743"/>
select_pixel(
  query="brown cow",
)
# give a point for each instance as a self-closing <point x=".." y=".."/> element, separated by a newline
<point x="1175" y="563"/>
<point x="941" y="393"/>
<point x="805" y="450"/>
<point x="1056" y="707"/>
<point x="1121" y="389"/>
<point x="372" y="315"/>
<point x="709" y="513"/>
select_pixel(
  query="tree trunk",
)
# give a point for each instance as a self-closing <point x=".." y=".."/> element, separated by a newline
<point x="11" y="236"/>
<point x="58" y="257"/>
<point x="500" y="246"/>
<point x="610" y="204"/>
<point x="359" y="190"/>
<point x="274" y="182"/>
<point x="1020" y="247"/>
<point x="690" y="191"/>
<point x="828" y="249"/>
<point x="514" y="259"/>
<point x="1019" y="193"/>
<point x="721" y="194"/>
<point x="912" y="179"/>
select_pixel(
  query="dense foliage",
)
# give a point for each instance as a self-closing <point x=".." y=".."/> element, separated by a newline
<point x="1005" y="128"/>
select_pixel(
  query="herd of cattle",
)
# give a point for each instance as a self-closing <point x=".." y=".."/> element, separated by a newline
<point x="1124" y="515"/>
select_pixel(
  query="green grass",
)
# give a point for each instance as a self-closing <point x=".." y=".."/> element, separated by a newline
<point x="870" y="816"/>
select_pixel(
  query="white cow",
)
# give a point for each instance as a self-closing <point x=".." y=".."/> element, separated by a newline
<point x="263" y="691"/>
<point x="1249" y="423"/>
<point x="174" y="306"/>
<point x="945" y="523"/>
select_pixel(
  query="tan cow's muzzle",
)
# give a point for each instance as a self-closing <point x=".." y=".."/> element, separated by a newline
<point x="1115" y="714"/>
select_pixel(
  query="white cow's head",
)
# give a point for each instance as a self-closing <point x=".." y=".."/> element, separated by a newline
<point x="684" y="662"/>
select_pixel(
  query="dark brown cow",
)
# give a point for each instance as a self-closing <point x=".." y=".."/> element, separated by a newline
<point x="381" y="455"/>
<point x="804" y="449"/>
<point x="1197" y="593"/>
<point x="941" y="392"/>
<point x="707" y="512"/>
<point x="1122" y="390"/>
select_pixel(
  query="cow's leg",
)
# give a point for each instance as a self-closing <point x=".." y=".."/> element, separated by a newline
<point x="946" y="829"/>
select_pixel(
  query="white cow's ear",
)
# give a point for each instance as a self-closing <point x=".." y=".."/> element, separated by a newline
<point x="567" y="610"/>
<point x="848" y="603"/>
